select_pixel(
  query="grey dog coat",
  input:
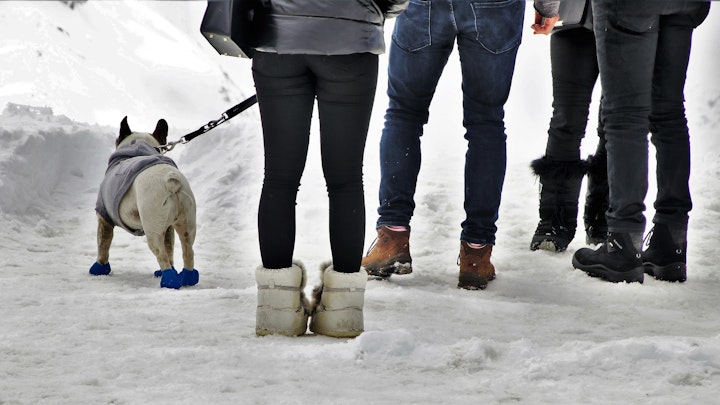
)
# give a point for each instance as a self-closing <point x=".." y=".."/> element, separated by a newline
<point x="123" y="167"/>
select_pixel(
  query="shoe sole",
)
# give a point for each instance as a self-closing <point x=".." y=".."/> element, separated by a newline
<point x="674" y="272"/>
<point x="636" y="275"/>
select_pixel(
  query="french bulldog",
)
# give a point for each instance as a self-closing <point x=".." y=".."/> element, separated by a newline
<point x="144" y="193"/>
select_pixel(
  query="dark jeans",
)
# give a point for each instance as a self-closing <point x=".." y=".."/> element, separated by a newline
<point x="643" y="48"/>
<point x="287" y="86"/>
<point x="574" y="73"/>
<point x="488" y="34"/>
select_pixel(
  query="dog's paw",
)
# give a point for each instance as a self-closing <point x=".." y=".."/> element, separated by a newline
<point x="98" y="269"/>
<point x="190" y="277"/>
<point x="171" y="279"/>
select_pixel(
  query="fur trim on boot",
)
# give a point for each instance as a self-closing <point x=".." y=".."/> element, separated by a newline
<point x="282" y="307"/>
<point x="338" y="303"/>
<point x="554" y="169"/>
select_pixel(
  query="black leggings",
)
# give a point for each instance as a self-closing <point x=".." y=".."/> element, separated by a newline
<point x="574" y="73"/>
<point x="287" y="86"/>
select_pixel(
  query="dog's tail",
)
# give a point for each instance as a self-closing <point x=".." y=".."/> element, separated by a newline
<point x="173" y="182"/>
<point x="178" y="195"/>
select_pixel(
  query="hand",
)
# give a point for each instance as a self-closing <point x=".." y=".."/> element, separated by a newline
<point x="544" y="25"/>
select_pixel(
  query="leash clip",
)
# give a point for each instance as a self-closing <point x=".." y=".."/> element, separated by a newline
<point x="163" y="149"/>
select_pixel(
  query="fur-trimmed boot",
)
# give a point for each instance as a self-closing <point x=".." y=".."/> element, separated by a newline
<point x="559" y="192"/>
<point x="282" y="308"/>
<point x="338" y="303"/>
<point x="596" y="200"/>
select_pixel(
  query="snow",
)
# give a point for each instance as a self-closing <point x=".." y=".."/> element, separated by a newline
<point x="540" y="333"/>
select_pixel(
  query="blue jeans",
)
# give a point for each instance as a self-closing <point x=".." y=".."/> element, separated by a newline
<point x="643" y="48"/>
<point x="488" y="33"/>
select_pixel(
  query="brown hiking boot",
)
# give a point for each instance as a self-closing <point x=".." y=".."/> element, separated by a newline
<point x="475" y="267"/>
<point x="389" y="254"/>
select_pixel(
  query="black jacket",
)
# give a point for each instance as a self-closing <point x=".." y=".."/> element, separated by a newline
<point x="326" y="27"/>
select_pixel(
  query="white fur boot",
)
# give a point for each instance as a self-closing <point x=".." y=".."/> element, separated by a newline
<point x="338" y="305"/>
<point x="282" y="307"/>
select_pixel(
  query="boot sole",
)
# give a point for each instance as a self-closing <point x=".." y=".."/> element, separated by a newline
<point x="636" y="275"/>
<point x="674" y="272"/>
<point x="385" y="272"/>
<point x="549" y="245"/>
<point x="473" y="282"/>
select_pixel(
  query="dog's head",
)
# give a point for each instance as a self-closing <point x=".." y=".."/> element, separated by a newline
<point x="157" y="138"/>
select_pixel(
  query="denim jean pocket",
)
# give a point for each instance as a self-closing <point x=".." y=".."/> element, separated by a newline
<point x="412" y="28"/>
<point x="499" y="24"/>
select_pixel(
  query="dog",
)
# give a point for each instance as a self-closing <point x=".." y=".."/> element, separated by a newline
<point x="144" y="193"/>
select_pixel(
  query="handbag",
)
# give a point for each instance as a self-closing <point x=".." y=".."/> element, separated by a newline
<point x="574" y="14"/>
<point x="233" y="26"/>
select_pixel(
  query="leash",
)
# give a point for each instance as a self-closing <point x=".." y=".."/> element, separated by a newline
<point x="230" y="113"/>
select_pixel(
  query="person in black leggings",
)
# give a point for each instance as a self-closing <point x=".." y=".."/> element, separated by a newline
<point x="324" y="50"/>
<point x="561" y="169"/>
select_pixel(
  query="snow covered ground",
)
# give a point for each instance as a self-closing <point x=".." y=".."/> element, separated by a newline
<point x="540" y="333"/>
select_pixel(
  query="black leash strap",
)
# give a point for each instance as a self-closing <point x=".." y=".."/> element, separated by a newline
<point x="244" y="105"/>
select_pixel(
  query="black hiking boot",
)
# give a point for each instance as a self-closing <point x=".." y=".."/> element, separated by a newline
<point x="559" y="191"/>
<point x="616" y="260"/>
<point x="665" y="255"/>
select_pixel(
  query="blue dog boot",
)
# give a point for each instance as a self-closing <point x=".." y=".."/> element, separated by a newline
<point x="171" y="279"/>
<point x="98" y="269"/>
<point x="189" y="277"/>
<point x="158" y="273"/>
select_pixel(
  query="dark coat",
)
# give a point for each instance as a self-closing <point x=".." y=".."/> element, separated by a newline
<point x="327" y="27"/>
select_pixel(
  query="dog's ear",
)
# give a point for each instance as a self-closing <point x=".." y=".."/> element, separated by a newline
<point x="161" y="132"/>
<point x="124" y="131"/>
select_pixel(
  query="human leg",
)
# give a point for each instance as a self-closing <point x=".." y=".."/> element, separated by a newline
<point x="665" y="255"/>
<point x="560" y="171"/>
<point x="488" y="40"/>
<point x="574" y="74"/>
<point x="626" y="39"/>
<point x="285" y="96"/>
<point x="421" y="43"/>
<point x="489" y="35"/>
<point x="422" y="40"/>
<point x="346" y="91"/>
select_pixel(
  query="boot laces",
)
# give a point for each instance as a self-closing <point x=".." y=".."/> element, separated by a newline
<point x="372" y="245"/>
<point x="646" y="240"/>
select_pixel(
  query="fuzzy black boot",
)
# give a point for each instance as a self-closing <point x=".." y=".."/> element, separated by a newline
<point x="596" y="200"/>
<point x="559" y="192"/>
<point x="665" y="255"/>
<point x="616" y="260"/>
